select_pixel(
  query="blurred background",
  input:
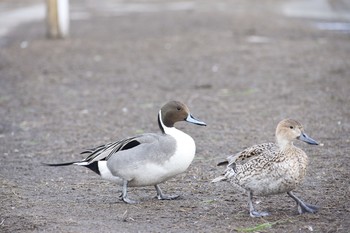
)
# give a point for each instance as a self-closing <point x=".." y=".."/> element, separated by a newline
<point x="89" y="72"/>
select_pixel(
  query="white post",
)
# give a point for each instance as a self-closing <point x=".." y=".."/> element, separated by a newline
<point x="57" y="18"/>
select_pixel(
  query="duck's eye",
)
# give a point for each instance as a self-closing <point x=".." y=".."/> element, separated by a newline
<point x="291" y="127"/>
<point x="178" y="108"/>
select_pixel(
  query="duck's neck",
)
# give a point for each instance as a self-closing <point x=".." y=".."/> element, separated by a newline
<point x="162" y="126"/>
<point x="284" y="144"/>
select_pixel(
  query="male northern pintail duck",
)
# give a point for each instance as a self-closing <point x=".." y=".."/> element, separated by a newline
<point x="271" y="168"/>
<point x="146" y="159"/>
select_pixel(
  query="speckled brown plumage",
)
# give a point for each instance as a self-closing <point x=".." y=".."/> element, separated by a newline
<point x="272" y="168"/>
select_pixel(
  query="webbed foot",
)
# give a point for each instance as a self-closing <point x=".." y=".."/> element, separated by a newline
<point x="302" y="206"/>
<point x="256" y="214"/>
<point x="124" y="194"/>
<point x="307" y="208"/>
<point x="129" y="201"/>
<point x="167" y="197"/>
<point x="162" y="196"/>
<point x="253" y="213"/>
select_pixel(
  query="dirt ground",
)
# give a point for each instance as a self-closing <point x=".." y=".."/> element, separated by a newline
<point x="241" y="66"/>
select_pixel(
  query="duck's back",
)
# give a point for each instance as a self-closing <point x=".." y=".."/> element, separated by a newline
<point x="251" y="152"/>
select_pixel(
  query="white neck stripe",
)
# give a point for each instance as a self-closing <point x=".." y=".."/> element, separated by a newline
<point x="164" y="127"/>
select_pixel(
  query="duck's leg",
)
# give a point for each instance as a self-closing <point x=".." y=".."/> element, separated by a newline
<point x="162" y="196"/>
<point x="302" y="206"/>
<point x="125" y="194"/>
<point x="252" y="211"/>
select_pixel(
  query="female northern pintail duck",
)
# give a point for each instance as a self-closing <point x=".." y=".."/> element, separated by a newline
<point x="146" y="159"/>
<point x="272" y="168"/>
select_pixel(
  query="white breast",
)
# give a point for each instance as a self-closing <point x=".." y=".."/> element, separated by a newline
<point x="184" y="153"/>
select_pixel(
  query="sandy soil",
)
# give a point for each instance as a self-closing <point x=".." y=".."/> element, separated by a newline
<point x="241" y="66"/>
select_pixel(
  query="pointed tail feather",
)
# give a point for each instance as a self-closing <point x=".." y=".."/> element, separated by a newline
<point x="220" y="178"/>
<point x="222" y="163"/>
<point x="60" y="164"/>
<point x="93" y="166"/>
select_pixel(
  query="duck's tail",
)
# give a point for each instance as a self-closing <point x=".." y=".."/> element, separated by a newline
<point x="228" y="173"/>
<point x="93" y="166"/>
<point x="222" y="163"/>
<point x="59" y="164"/>
<point x="218" y="179"/>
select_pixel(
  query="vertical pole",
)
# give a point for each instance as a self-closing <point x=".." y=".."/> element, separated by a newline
<point x="57" y="18"/>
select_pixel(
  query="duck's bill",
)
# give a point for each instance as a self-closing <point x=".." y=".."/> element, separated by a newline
<point x="193" y="120"/>
<point x="303" y="137"/>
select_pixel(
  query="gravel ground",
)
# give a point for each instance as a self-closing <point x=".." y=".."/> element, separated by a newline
<point x="240" y="66"/>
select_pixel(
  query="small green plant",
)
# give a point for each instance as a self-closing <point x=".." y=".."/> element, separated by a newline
<point x="256" y="228"/>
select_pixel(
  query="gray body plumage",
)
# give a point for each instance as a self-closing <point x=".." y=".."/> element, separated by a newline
<point x="146" y="159"/>
<point x="154" y="150"/>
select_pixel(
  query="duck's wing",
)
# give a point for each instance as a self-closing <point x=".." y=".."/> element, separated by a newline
<point x="251" y="152"/>
<point x="241" y="158"/>
<point x="104" y="152"/>
<point x="247" y="154"/>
